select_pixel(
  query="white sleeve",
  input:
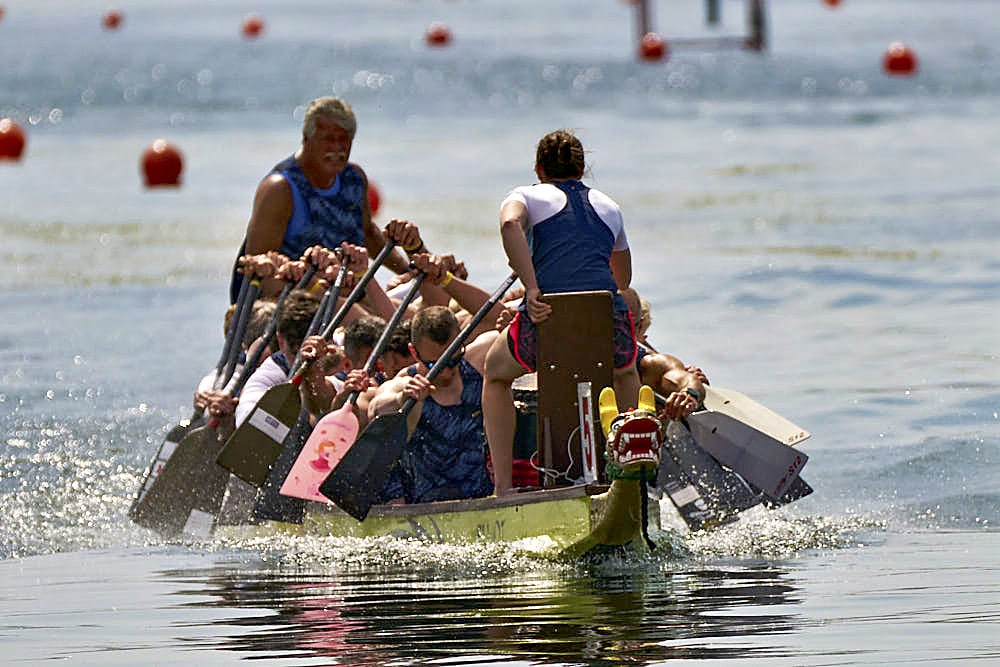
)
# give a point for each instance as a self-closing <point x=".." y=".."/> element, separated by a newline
<point x="267" y="375"/>
<point x="611" y="214"/>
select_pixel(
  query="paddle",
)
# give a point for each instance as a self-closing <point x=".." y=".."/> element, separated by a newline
<point x="334" y="434"/>
<point x="328" y="302"/>
<point x="742" y="407"/>
<point x="688" y="474"/>
<point x="357" y="480"/>
<point x="256" y="444"/>
<point x="188" y="491"/>
<point x="177" y="433"/>
<point x="271" y="504"/>
<point x="764" y="462"/>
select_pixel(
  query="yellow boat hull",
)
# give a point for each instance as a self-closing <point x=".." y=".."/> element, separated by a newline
<point x="573" y="520"/>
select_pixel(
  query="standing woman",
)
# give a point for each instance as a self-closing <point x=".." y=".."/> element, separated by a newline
<point x="577" y="244"/>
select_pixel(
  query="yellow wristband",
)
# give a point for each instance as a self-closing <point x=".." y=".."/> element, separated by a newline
<point x="414" y="248"/>
<point x="448" y="276"/>
<point x="316" y="288"/>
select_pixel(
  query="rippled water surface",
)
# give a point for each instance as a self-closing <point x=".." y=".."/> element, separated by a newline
<point x="810" y="231"/>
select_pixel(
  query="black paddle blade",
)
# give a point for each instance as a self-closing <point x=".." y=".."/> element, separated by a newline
<point x="252" y="449"/>
<point x="163" y="454"/>
<point x="271" y="505"/>
<point x="705" y="493"/>
<point x="355" y="482"/>
<point x="187" y="494"/>
<point x="685" y="496"/>
<point x="796" y="490"/>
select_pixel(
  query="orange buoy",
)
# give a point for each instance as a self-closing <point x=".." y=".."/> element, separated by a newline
<point x="162" y="164"/>
<point x="438" y="34"/>
<point x="899" y="60"/>
<point x="12" y="140"/>
<point x="112" y="19"/>
<point x="374" y="198"/>
<point x="253" y="26"/>
<point x="652" y="47"/>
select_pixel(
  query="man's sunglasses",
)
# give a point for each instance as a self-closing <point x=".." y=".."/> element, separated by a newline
<point x="448" y="363"/>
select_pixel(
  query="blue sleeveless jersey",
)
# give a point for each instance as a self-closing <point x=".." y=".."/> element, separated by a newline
<point x="319" y="217"/>
<point x="445" y="457"/>
<point x="571" y="251"/>
<point x="323" y="217"/>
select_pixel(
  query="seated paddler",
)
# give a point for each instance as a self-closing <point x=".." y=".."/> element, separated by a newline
<point x="444" y="457"/>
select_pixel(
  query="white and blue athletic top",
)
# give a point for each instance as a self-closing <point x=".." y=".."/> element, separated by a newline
<point x="572" y="232"/>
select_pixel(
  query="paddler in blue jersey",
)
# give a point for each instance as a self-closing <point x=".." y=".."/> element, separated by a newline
<point x="578" y="243"/>
<point x="444" y="457"/>
<point x="315" y="196"/>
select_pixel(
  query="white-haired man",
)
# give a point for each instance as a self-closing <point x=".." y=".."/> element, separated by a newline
<point x="315" y="196"/>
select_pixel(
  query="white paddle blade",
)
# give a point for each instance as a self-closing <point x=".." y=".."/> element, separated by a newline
<point x="763" y="461"/>
<point x="745" y="409"/>
<point x="332" y="436"/>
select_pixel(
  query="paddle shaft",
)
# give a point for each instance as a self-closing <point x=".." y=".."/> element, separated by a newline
<point x="297" y="367"/>
<point x="359" y="289"/>
<point x="326" y="309"/>
<point x="383" y="340"/>
<point x="231" y="332"/>
<point x="240" y="324"/>
<point x="272" y="328"/>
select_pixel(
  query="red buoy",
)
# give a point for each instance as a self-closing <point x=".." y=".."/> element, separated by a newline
<point x="652" y="47"/>
<point x="253" y="26"/>
<point x="438" y="34"/>
<point x="162" y="164"/>
<point x="899" y="60"/>
<point x="1" y="12"/>
<point x="112" y="19"/>
<point x="12" y="140"/>
<point x="374" y="198"/>
<point x="831" y="3"/>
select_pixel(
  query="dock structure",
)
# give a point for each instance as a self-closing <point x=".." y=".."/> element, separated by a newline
<point x="755" y="38"/>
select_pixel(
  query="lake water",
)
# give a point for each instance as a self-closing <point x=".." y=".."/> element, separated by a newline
<point x="810" y="231"/>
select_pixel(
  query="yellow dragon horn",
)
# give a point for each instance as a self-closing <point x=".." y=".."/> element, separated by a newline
<point x="607" y="407"/>
<point x="647" y="401"/>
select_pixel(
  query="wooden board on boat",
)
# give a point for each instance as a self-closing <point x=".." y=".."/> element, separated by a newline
<point x="562" y="364"/>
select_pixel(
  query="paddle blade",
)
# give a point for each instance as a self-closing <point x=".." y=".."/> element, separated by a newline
<point x="796" y="490"/>
<point x="764" y="462"/>
<point x="330" y="439"/>
<point x="271" y="505"/>
<point x="163" y="454"/>
<point x="705" y="493"/>
<point x="252" y="449"/>
<point x="745" y="409"/>
<point x="355" y="483"/>
<point x="187" y="494"/>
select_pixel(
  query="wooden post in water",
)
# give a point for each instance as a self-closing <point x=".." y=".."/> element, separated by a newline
<point x="713" y="13"/>
<point x="642" y="20"/>
<point x="757" y="24"/>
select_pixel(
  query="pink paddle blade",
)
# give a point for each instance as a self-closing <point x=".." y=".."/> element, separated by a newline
<point x="331" y="438"/>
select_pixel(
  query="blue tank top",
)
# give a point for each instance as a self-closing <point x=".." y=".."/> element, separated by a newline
<point x="571" y="251"/>
<point x="323" y="217"/>
<point x="445" y="457"/>
<point x="319" y="217"/>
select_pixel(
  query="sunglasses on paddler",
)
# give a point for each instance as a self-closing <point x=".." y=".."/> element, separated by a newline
<point x="447" y="363"/>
